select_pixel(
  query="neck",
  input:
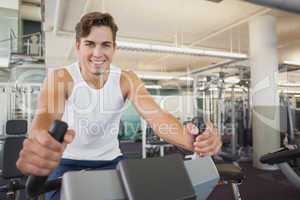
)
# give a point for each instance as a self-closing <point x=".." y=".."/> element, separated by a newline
<point x="95" y="80"/>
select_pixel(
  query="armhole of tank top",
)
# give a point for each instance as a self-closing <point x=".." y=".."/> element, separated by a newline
<point x="70" y="72"/>
<point x="119" y="84"/>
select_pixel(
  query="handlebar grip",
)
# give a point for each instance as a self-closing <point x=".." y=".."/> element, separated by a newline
<point x="199" y="123"/>
<point x="35" y="184"/>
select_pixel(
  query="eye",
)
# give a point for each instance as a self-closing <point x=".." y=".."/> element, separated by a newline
<point x="107" y="45"/>
<point x="89" y="44"/>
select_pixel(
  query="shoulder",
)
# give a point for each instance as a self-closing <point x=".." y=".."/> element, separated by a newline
<point x="59" y="75"/>
<point x="59" y="79"/>
<point x="129" y="76"/>
<point x="131" y="83"/>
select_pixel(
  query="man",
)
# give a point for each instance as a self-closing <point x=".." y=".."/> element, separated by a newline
<point x="89" y="96"/>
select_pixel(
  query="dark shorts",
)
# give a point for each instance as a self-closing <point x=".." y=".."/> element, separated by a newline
<point x="76" y="165"/>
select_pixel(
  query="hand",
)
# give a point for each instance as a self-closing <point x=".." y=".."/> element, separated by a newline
<point x="208" y="143"/>
<point x="41" y="153"/>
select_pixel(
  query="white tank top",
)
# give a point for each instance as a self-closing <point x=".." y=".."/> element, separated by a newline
<point x="95" y="115"/>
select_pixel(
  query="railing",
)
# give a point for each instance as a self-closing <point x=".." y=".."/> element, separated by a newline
<point x="33" y="44"/>
<point x="18" y="101"/>
<point x="28" y="45"/>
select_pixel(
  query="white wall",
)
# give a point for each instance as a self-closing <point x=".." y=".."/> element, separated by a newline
<point x="8" y="20"/>
<point x="3" y="108"/>
<point x="179" y="106"/>
<point x="58" y="49"/>
<point x="11" y="4"/>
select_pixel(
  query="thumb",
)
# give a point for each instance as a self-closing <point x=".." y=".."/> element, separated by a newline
<point x="209" y="126"/>
<point x="69" y="136"/>
<point x="192" y="129"/>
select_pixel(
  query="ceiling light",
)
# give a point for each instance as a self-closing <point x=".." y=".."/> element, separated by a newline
<point x="290" y="91"/>
<point x="290" y="62"/>
<point x="153" y="86"/>
<point x="177" y="50"/>
<point x="155" y="77"/>
<point x="186" y="78"/>
<point x="232" y="80"/>
<point x="215" y="1"/>
<point x="289" y="85"/>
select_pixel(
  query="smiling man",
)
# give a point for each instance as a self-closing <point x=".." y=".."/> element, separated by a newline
<point x="89" y="95"/>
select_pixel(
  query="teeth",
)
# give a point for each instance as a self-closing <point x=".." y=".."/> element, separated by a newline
<point x="98" y="62"/>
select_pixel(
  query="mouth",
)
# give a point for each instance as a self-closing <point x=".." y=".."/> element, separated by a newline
<point x="97" y="63"/>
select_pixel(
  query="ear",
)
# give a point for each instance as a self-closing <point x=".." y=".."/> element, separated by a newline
<point x="115" y="46"/>
<point x="77" y="45"/>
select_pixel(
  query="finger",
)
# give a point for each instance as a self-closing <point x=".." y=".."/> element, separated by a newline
<point x="207" y="145"/>
<point x="28" y="168"/>
<point x="69" y="136"/>
<point x="34" y="146"/>
<point x="204" y="152"/>
<point x="205" y="141"/>
<point x="207" y="133"/>
<point x="205" y="149"/>
<point x="37" y="161"/>
<point x="215" y="131"/>
<point x="46" y="140"/>
<point x="192" y="129"/>
<point x="218" y="148"/>
<point x="212" y="150"/>
<point x="209" y="125"/>
<point x="204" y="136"/>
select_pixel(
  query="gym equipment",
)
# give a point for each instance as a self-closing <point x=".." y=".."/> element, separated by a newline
<point x="35" y="184"/>
<point x="105" y="184"/>
<point x="156" y="178"/>
<point x="151" y="143"/>
<point x="281" y="158"/>
<point x="18" y="101"/>
<point x="227" y="106"/>
<point x="229" y="173"/>
<point x="12" y="144"/>
<point x="286" y="158"/>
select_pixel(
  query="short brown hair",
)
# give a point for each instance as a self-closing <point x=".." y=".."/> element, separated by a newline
<point x="84" y="26"/>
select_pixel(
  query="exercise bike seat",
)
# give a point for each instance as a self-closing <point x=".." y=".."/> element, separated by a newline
<point x="228" y="157"/>
<point x="105" y="184"/>
<point x="230" y="173"/>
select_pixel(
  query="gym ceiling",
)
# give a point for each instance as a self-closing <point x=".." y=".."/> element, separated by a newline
<point x="197" y="24"/>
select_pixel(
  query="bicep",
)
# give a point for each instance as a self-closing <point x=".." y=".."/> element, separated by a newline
<point x="142" y="100"/>
<point x="51" y="100"/>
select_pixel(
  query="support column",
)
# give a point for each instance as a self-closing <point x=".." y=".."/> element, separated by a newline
<point x="265" y="100"/>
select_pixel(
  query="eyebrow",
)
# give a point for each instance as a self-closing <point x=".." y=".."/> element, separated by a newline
<point x="90" y="41"/>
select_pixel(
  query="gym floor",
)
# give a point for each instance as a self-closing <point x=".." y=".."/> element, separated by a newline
<point x="258" y="185"/>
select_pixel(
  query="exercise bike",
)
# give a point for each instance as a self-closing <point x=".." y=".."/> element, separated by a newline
<point x="74" y="184"/>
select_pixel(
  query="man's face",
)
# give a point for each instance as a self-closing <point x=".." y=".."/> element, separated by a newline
<point x="96" y="51"/>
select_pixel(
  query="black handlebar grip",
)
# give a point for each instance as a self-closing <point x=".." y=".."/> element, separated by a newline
<point x="58" y="130"/>
<point x="35" y="184"/>
<point x="199" y="123"/>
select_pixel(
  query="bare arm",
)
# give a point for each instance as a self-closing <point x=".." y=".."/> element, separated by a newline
<point x="41" y="153"/>
<point x="50" y="102"/>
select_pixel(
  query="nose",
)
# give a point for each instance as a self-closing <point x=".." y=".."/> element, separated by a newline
<point x="97" y="52"/>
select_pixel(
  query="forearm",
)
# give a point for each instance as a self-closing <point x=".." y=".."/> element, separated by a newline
<point x="42" y="121"/>
<point x="167" y="127"/>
